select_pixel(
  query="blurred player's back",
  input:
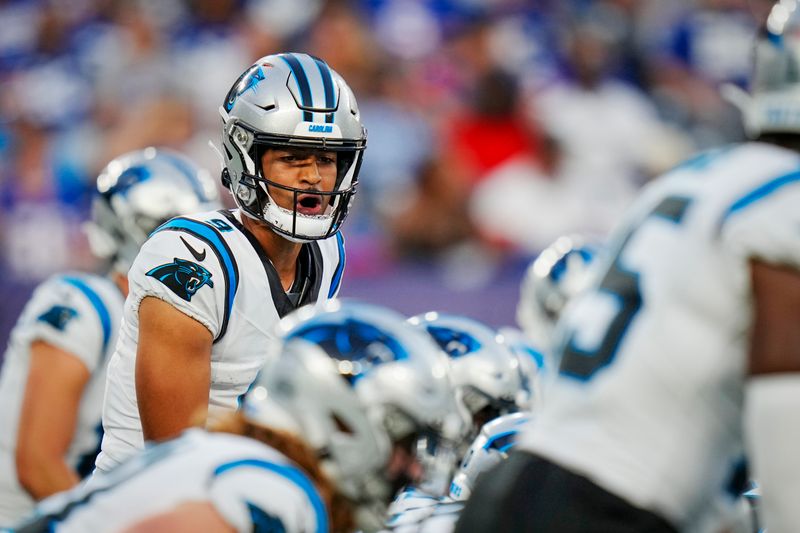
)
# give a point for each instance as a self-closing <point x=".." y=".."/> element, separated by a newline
<point x="245" y="480"/>
<point x="654" y="357"/>
<point x="77" y="313"/>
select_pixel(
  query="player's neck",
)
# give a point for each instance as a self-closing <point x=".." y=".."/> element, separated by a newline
<point x="121" y="281"/>
<point x="282" y="252"/>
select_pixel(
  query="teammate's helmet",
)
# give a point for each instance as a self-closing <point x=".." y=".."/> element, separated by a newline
<point x="489" y="448"/>
<point x="136" y="193"/>
<point x="533" y="366"/>
<point x="357" y="380"/>
<point x="485" y="372"/>
<point x="773" y="103"/>
<point x="290" y="100"/>
<point x="557" y="274"/>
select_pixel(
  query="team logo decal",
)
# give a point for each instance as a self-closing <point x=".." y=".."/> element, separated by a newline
<point x="249" y="79"/>
<point x="183" y="277"/>
<point x="58" y="316"/>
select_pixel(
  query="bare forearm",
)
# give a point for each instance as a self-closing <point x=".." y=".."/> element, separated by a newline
<point x="167" y="409"/>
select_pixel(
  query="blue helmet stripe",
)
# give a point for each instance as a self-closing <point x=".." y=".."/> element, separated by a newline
<point x="302" y="83"/>
<point x="327" y="83"/>
<point x="229" y="267"/>
<point x="337" y="275"/>
<point x="501" y="441"/>
<point x="294" y="475"/>
<point x="97" y="303"/>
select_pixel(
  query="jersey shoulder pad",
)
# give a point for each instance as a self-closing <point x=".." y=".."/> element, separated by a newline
<point x="763" y="222"/>
<point x="256" y="490"/>
<point x="189" y="264"/>
<point x="77" y="313"/>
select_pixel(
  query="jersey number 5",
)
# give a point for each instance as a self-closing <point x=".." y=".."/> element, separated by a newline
<point x="623" y="286"/>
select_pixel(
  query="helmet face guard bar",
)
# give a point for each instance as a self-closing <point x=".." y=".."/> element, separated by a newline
<point x="254" y="187"/>
<point x="339" y="214"/>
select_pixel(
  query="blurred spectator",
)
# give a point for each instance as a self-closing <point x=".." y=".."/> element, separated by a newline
<point x="435" y="215"/>
<point x="493" y="130"/>
<point x="610" y="135"/>
<point x="42" y="196"/>
<point x="499" y="122"/>
<point x="692" y="56"/>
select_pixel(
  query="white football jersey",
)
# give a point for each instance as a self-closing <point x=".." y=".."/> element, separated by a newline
<point x="252" y="486"/>
<point x="77" y="313"/>
<point x="211" y="268"/>
<point x="648" y="402"/>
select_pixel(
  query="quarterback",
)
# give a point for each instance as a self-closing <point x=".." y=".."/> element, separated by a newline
<point x="207" y="290"/>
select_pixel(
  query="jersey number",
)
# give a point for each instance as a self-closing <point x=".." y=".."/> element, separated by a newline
<point x="623" y="286"/>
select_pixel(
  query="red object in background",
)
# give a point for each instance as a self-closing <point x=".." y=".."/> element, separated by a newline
<point x="483" y="143"/>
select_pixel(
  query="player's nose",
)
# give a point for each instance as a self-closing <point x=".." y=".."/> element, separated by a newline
<point x="309" y="172"/>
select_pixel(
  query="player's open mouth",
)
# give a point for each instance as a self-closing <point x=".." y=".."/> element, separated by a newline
<point x="309" y="204"/>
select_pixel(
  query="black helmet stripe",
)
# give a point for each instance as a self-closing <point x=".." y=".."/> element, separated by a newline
<point x="327" y="83"/>
<point x="302" y="83"/>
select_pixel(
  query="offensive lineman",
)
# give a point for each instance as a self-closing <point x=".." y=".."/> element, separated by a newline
<point x="339" y="410"/>
<point x="685" y="353"/>
<point x="207" y="290"/>
<point x="53" y="374"/>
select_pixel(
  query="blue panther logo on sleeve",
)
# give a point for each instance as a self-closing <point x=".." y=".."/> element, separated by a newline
<point x="183" y="277"/>
<point x="58" y="316"/>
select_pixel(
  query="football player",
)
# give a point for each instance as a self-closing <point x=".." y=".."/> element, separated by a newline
<point x="685" y="353"/>
<point x="413" y="511"/>
<point x="53" y="373"/>
<point x="207" y="290"/>
<point x="339" y="408"/>
<point x="493" y="376"/>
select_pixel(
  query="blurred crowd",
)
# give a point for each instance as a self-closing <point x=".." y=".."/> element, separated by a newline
<point x="494" y="125"/>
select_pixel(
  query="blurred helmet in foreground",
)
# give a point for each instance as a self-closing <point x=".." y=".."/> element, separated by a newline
<point x="490" y="447"/>
<point x="365" y="390"/>
<point x="485" y="372"/>
<point x="557" y="274"/>
<point x="772" y="105"/>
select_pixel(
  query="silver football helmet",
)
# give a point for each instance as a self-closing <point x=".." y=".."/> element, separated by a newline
<point x="772" y="104"/>
<point x="559" y="272"/>
<point x="359" y="383"/>
<point x="139" y="191"/>
<point x="484" y="370"/>
<point x="291" y="100"/>
<point x="533" y="367"/>
<point x="489" y="448"/>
